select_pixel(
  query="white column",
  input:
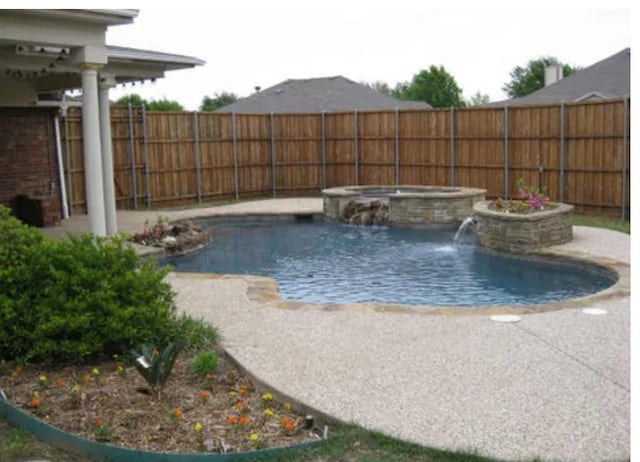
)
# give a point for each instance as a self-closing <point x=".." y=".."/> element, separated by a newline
<point x="92" y="148"/>
<point x="107" y="156"/>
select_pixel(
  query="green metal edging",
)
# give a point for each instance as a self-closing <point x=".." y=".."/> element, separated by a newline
<point x="101" y="452"/>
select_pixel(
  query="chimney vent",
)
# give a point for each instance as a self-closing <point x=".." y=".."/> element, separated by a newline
<point x="552" y="74"/>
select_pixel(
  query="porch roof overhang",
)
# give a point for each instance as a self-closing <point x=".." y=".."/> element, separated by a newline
<point x="51" y="70"/>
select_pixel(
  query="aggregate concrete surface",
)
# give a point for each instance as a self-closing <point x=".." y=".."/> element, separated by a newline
<point x="554" y="385"/>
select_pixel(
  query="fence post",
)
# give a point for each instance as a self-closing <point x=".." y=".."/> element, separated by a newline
<point x="355" y="140"/>
<point x="324" y="150"/>
<point x="273" y="156"/>
<point x="196" y="146"/>
<point x="235" y="155"/>
<point x="145" y="155"/>
<point x="506" y="152"/>
<point x="68" y="162"/>
<point x="132" y="158"/>
<point x="397" y="148"/>
<point x="562" y="151"/>
<point x="452" y="146"/>
<point x="625" y="133"/>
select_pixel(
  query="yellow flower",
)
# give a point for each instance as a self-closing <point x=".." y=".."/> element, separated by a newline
<point x="95" y="371"/>
<point x="42" y="379"/>
<point x="232" y="394"/>
<point x="254" y="437"/>
<point x="76" y="389"/>
<point x="36" y="394"/>
<point x="287" y="407"/>
<point x="267" y="397"/>
<point x="198" y="427"/>
<point x="269" y="412"/>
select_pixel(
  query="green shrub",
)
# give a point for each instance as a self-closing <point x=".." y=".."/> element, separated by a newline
<point x="205" y="363"/>
<point x="194" y="334"/>
<point x="69" y="300"/>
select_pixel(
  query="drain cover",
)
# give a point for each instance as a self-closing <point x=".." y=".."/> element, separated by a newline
<point x="506" y="318"/>
<point x="594" y="311"/>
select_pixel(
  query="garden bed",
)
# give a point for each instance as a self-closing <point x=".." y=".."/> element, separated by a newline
<point x="109" y="402"/>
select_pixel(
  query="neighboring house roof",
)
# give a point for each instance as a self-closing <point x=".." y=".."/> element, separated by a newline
<point x="330" y="94"/>
<point x="609" y="78"/>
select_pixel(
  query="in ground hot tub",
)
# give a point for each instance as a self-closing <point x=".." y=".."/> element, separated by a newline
<point x="435" y="206"/>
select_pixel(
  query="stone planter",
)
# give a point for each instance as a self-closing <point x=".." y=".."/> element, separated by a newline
<point x="522" y="233"/>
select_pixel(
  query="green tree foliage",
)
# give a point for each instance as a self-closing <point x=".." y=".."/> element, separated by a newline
<point x="434" y="86"/>
<point x="150" y="105"/>
<point x="379" y="86"/>
<point x="527" y="79"/>
<point x="217" y="101"/>
<point x="478" y="99"/>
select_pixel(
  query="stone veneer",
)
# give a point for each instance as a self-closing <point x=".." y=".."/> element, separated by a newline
<point x="522" y="233"/>
<point x="439" y="206"/>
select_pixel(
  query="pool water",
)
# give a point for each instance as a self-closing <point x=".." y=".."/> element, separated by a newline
<point x="327" y="262"/>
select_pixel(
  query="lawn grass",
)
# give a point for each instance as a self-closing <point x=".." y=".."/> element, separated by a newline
<point x="615" y="224"/>
<point x="345" y="444"/>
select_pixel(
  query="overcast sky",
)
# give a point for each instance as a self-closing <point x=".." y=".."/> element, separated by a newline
<point x="247" y="44"/>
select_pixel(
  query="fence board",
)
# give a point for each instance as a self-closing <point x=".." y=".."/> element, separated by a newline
<point x="593" y="146"/>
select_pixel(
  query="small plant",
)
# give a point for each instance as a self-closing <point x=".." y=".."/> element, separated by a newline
<point x="42" y="380"/>
<point x="35" y="400"/>
<point x="204" y="396"/>
<point x="155" y="366"/>
<point x="257" y="440"/>
<point x="152" y="234"/>
<point x="288" y="424"/>
<point x="199" y="436"/>
<point x="267" y="397"/>
<point x="102" y="432"/>
<point x="61" y="383"/>
<point x="205" y="363"/>
<point x="176" y="414"/>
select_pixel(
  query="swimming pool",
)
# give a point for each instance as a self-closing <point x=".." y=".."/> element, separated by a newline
<point x="326" y="262"/>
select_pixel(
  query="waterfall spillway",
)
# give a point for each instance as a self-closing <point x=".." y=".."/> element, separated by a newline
<point x="467" y="228"/>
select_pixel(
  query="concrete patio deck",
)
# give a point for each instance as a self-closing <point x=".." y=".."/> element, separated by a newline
<point x="554" y="385"/>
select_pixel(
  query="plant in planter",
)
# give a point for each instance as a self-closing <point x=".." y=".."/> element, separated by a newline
<point x="530" y="199"/>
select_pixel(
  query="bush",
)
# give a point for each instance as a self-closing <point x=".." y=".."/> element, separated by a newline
<point x="194" y="334"/>
<point x="69" y="300"/>
<point x="205" y="363"/>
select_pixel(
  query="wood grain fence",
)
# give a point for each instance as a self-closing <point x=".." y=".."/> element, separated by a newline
<point x="580" y="152"/>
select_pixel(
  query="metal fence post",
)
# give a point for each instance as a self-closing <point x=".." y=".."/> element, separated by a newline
<point x="67" y="153"/>
<point x="235" y="155"/>
<point x="196" y="146"/>
<point x="355" y="140"/>
<point x="562" y="151"/>
<point x="145" y="155"/>
<point x="324" y="150"/>
<point x="452" y="145"/>
<point x="506" y="152"/>
<point x="625" y="133"/>
<point x="273" y="156"/>
<point x="132" y="158"/>
<point x="397" y="148"/>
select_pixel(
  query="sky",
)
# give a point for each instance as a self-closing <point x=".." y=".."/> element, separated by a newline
<point x="249" y="43"/>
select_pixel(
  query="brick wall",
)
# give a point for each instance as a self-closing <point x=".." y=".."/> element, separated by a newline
<point x="28" y="163"/>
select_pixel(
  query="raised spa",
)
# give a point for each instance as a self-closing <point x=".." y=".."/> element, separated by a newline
<point x="428" y="206"/>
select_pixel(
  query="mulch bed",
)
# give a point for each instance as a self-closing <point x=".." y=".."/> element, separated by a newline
<point x="106" y="401"/>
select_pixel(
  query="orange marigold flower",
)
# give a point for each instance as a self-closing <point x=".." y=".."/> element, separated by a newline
<point x="243" y="420"/>
<point x="288" y="424"/>
<point x="99" y="422"/>
<point x="178" y="414"/>
<point x="61" y="383"/>
<point x="204" y="395"/>
<point x="244" y="389"/>
<point x="232" y="420"/>
<point x="240" y="405"/>
<point x="87" y="378"/>
<point x="35" y="402"/>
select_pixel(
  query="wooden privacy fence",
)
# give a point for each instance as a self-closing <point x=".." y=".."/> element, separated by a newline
<point x="578" y="151"/>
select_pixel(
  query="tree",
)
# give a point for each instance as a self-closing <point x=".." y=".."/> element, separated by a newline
<point x="434" y="86"/>
<point x="478" y="99"/>
<point x="379" y="86"/>
<point x="217" y="101"/>
<point x="525" y="80"/>
<point x="153" y="105"/>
